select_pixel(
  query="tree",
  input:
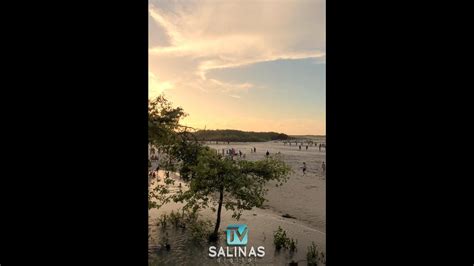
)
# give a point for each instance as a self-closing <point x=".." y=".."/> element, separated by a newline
<point x="167" y="135"/>
<point x="213" y="180"/>
<point x="163" y="122"/>
<point x="236" y="185"/>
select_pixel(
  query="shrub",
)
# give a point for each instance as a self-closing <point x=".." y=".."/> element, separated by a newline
<point x="292" y="244"/>
<point x="315" y="257"/>
<point x="200" y="229"/>
<point x="162" y="220"/>
<point x="280" y="239"/>
<point x="176" y="219"/>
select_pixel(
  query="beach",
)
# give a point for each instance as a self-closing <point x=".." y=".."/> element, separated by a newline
<point x="303" y="198"/>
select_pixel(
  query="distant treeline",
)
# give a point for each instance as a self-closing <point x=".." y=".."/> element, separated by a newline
<point x="239" y="136"/>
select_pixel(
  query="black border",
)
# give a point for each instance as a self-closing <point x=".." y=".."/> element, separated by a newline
<point x="74" y="118"/>
<point x="76" y="190"/>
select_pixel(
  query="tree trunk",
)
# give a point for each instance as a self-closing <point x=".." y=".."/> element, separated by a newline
<point x="218" y="222"/>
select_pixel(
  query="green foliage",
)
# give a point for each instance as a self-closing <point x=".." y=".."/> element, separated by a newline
<point x="163" y="220"/>
<point x="160" y="195"/>
<point x="200" y="230"/>
<point x="163" y="121"/>
<point x="163" y="133"/>
<point x="238" y="136"/>
<point x="292" y="244"/>
<point x="243" y="182"/>
<point x="315" y="257"/>
<point x="176" y="218"/>
<point x="280" y="239"/>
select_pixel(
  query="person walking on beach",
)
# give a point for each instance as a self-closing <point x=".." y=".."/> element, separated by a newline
<point x="306" y="147"/>
<point x="254" y="149"/>
<point x="240" y="153"/>
<point x="319" y="146"/>
<point x="324" y="167"/>
<point x="300" y="147"/>
<point x="267" y="154"/>
<point x="304" y="168"/>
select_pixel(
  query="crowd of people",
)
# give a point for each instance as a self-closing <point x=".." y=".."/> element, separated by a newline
<point x="320" y="146"/>
<point x="233" y="152"/>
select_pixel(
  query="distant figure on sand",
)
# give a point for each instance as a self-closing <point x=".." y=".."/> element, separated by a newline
<point x="254" y="149"/>
<point x="324" y="167"/>
<point x="240" y="153"/>
<point x="306" y="147"/>
<point x="304" y="168"/>
<point x="300" y="147"/>
<point x="267" y="154"/>
<point x="319" y="146"/>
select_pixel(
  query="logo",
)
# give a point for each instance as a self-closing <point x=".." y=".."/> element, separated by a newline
<point x="237" y="234"/>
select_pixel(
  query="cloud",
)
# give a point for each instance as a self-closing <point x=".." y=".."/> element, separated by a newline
<point x="206" y="35"/>
<point x="155" y="86"/>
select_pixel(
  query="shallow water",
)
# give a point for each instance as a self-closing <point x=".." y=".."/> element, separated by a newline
<point x="261" y="226"/>
<point x="303" y="197"/>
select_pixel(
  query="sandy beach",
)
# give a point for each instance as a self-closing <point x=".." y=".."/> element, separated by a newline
<point x="302" y="197"/>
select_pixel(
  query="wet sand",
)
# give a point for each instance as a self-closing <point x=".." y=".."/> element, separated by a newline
<point x="303" y="197"/>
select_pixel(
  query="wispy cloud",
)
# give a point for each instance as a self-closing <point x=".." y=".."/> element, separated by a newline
<point x="207" y="35"/>
<point x="189" y="39"/>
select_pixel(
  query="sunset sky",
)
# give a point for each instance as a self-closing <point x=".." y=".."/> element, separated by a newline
<point x="247" y="65"/>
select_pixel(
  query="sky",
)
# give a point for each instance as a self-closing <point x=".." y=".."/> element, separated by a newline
<point x="247" y="65"/>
